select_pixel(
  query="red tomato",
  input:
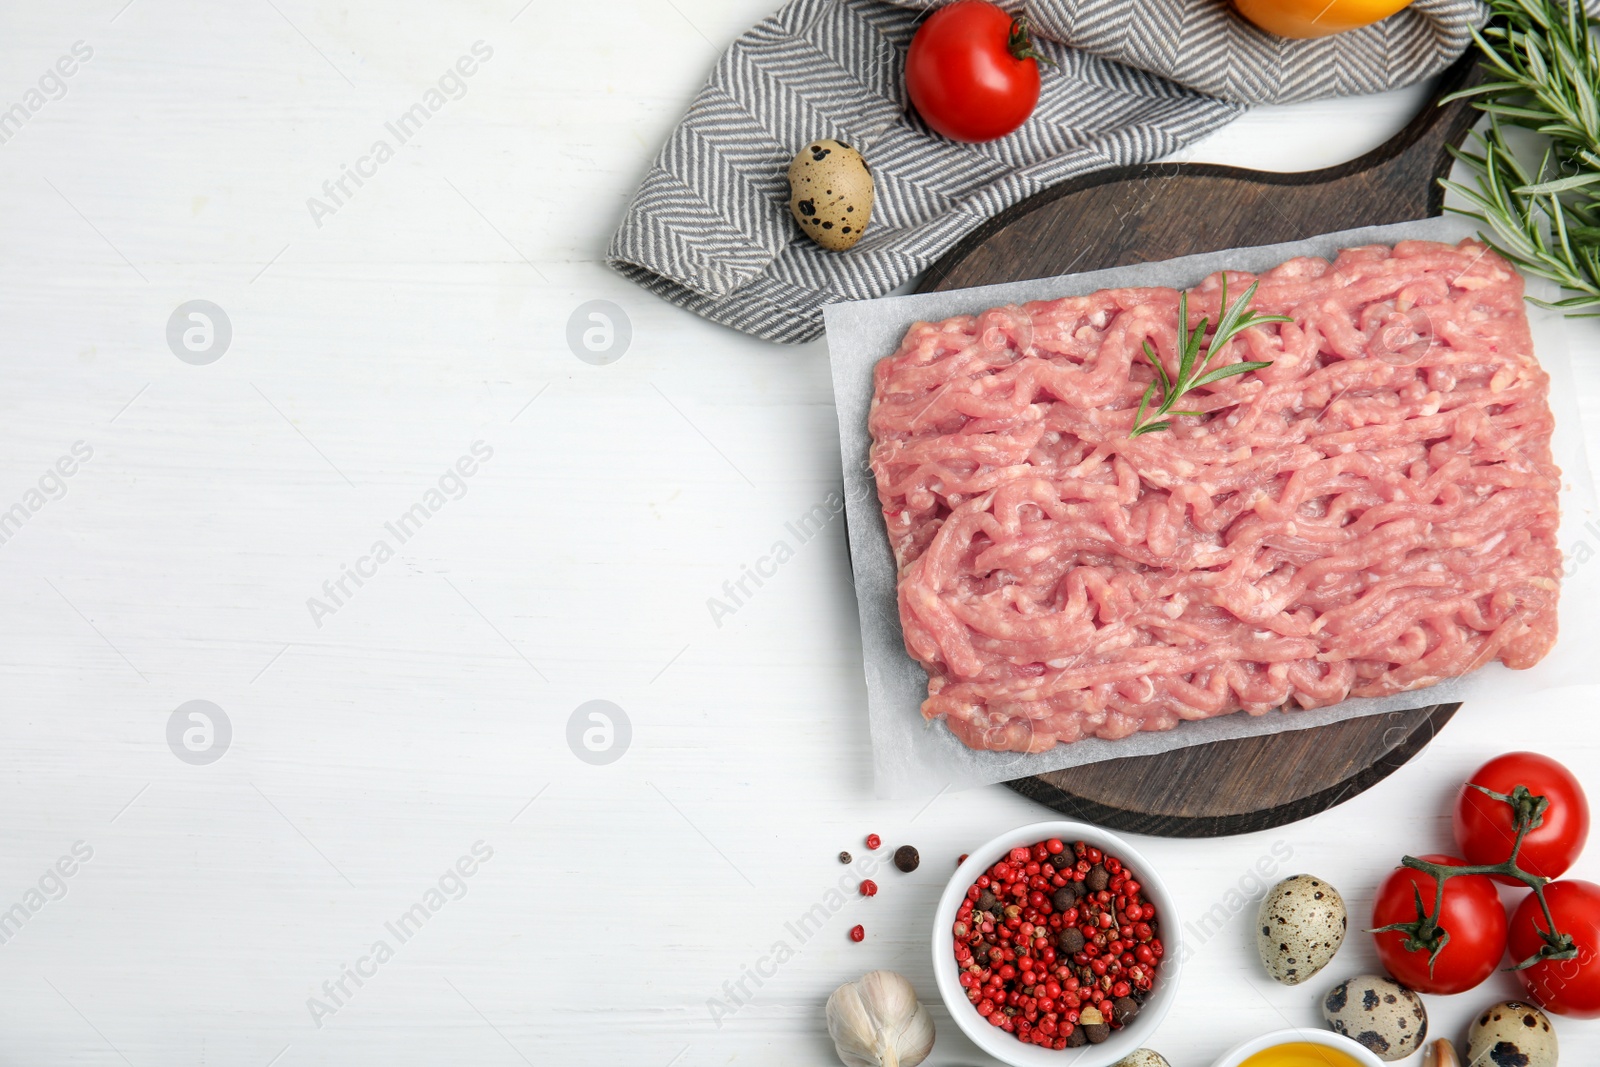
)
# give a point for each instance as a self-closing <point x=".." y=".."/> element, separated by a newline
<point x="1566" y="987"/>
<point x="1485" y="826"/>
<point x="972" y="72"/>
<point x="1472" y="915"/>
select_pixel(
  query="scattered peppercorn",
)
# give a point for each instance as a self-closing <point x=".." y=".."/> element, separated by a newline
<point x="962" y="859"/>
<point x="869" y="888"/>
<point x="906" y="858"/>
<point x="858" y="933"/>
<point x="844" y="857"/>
<point x="873" y="841"/>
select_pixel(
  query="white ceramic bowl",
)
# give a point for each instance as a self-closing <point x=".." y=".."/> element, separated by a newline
<point x="1003" y="1046"/>
<point x="1328" y="1038"/>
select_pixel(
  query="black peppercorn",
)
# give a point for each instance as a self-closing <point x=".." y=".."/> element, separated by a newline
<point x="1098" y="878"/>
<point x="988" y="902"/>
<point x="1096" y="1032"/>
<point x="1125" y="1008"/>
<point x="1063" y="898"/>
<point x="1062" y="860"/>
<point x="906" y="858"/>
<point x="1077" y="1039"/>
<point x="1069" y="940"/>
<point x="844" y="857"/>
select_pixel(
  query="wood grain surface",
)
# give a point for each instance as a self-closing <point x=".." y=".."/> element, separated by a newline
<point x="1160" y="211"/>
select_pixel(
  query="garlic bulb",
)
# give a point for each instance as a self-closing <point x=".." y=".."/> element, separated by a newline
<point x="877" y="1022"/>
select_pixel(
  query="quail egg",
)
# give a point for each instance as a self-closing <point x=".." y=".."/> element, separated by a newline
<point x="1300" y="925"/>
<point x="831" y="193"/>
<point x="1377" y="1012"/>
<point x="1512" y="1034"/>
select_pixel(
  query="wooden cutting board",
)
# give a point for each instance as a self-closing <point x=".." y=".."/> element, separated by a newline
<point x="1159" y="211"/>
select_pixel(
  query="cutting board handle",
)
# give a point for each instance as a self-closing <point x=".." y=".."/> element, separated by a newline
<point x="1406" y="168"/>
<point x="1149" y="212"/>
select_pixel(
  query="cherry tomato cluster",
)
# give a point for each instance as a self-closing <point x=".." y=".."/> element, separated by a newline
<point x="1057" y="945"/>
<point x="1522" y="820"/>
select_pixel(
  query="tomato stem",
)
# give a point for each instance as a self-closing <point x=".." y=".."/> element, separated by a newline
<point x="1021" y="42"/>
<point x="1425" y="932"/>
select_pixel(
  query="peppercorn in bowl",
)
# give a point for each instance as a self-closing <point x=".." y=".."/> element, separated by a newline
<point x="1057" y="943"/>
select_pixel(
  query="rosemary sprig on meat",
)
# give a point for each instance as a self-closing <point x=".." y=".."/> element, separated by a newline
<point x="1192" y="373"/>
<point x="1544" y="57"/>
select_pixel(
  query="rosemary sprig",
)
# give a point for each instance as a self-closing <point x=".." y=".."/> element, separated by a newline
<point x="1192" y="373"/>
<point x="1544" y="59"/>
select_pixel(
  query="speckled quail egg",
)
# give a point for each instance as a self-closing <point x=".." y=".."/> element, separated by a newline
<point x="1143" y="1058"/>
<point x="830" y="193"/>
<point x="1381" y="1014"/>
<point x="1512" y="1034"/>
<point x="1300" y="925"/>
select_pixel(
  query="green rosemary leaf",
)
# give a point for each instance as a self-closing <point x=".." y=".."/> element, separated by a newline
<point x="1228" y="316"/>
<point x="1560" y="185"/>
<point x="1161" y="371"/>
<point x="1144" y="402"/>
<point x="1480" y="90"/>
<point x="1514" y="111"/>
<point x="1140" y="431"/>
<point x="1228" y="372"/>
<point x="1191" y="338"/>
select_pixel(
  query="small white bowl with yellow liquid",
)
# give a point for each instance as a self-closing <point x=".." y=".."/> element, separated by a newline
<point x="1300" y="1048"/>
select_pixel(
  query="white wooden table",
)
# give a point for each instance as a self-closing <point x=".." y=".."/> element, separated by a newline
<point x="422" y="714"/>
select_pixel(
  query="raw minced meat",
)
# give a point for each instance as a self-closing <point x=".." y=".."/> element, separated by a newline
<point x="1373" y="513"/>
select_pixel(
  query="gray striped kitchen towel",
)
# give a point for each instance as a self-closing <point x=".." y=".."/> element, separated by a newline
<point x="710" y="229"/>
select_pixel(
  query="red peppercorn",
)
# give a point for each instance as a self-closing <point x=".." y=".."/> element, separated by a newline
<point x="858" y="933"/>
<point x="873" y="841"/>
<point x="869" y="888"/>
<point x="1033" y="990"/>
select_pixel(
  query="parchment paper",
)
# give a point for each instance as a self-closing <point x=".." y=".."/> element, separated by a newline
<point x="911" y="756"/>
